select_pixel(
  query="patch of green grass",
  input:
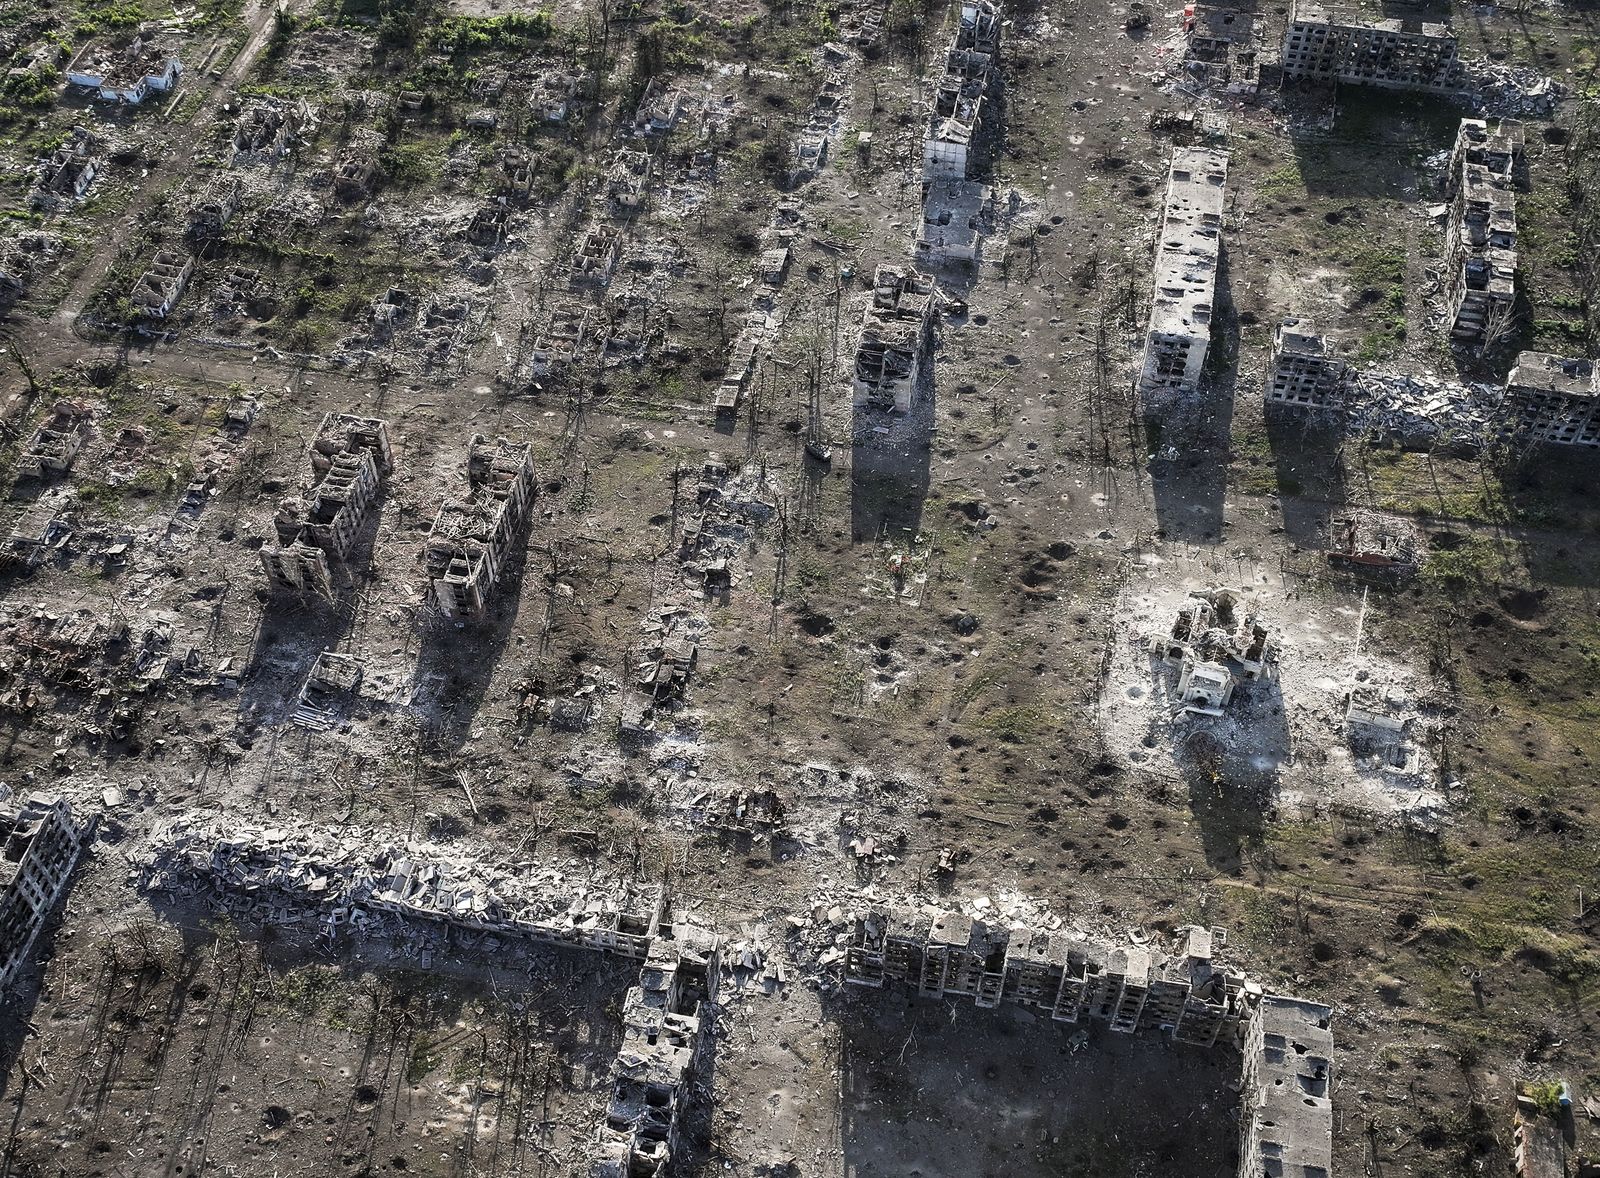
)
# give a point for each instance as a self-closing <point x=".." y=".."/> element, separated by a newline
<point x="424" y="1059"/>
<point x="1014" y="725"/>
<point x="1472" y="564"/>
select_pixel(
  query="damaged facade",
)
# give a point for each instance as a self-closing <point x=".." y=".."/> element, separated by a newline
<point x="1223" y="48"/>
<point x="470" y="538"/>
<point x="956" y="207"/>
<point x="895" y="331"/>
<point x="1303" y="372"/>
<point x="72" y="167"/>
<point x="1552" y="399"/>
<point x="1396" y="54"/>
<point x="1287" y="1083"/>
<point x="1188" y="250"/>
<point x="41" y="847"/>
<point x="349" y="458"/>
<point x="156" y="292"/>
<point x="1481" y="237"/>
<point x="53" y="447"/>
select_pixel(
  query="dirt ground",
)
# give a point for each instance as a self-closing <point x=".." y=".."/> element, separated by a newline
<point x="1029" y="502"/>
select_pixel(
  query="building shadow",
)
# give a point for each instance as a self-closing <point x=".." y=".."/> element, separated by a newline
<point x="891" y="463"/>
<point x="917" y="1078"/>
<point x="1308" y="463"/>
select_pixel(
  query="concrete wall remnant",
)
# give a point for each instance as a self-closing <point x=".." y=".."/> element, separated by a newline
<point x="470" y="539"/>
<point x="1552" y="399"/>
<point x="1188" y="251"/>
<point x="156" y="292"/>
<point x="1216" y="646"/>
<point x="348" y="459"/>
<point x="1223" y="48"/>
<point x="1303" y="372"/>
<point x="1394" y="54"/>
<point x="41" y="846"/>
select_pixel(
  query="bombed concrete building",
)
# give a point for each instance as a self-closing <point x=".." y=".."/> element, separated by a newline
<point x="1188" y="250"/>
<point x="348" y="458"/>
<point x="1319" y="46"/>
<point x="156" y="292"/>
<point x="1223" y="48"/>
<point x="53" y="447"/>
<point x="72" y="167"/>
<point x="41" y="847"/>
<point x="895" y="330"/>
<point x="956" y="216"/>
<point x="1303" y="372"/>
<point x="470" y="538"/>
<point x="1481" y="236"/>
<point x="662" y="1046"/>
<point x="955" y="116"/>
<point x="1287" y="1084"/>
<point x="1552" y="399"/>
<point x="1215" y="645"/>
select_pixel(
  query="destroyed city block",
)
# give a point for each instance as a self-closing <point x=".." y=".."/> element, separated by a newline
<point x="800" y="590"/>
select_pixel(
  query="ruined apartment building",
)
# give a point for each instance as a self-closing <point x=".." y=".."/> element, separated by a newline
<point x="1552" y="399"/>
<point x="1396" y="54"/>
<point x="1187" y="253"/>
<point x="1286" y="1073"/>
<point x="1286" y="1125"/>
<point x="42" y="845"/>
<point x="661" y="1052"/>
<point x="956" y="113"/>
<point x="348" y="459"/>
<point x="895" y="330"/>
<point x="1132" y="988"/>
<point x="1481" y="237"/>
<point x="471" y="537"/>
<point x="1303" y="372"/>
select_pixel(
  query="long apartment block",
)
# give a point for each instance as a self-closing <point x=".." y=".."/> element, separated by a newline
<point x="41" y="847"/>
<point x="1188" y="251"/>
<point x="1481" y="238"/>
<point x="1322" y="46"/>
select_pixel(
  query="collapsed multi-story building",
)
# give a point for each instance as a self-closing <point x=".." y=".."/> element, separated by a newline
<point x="41" y="845"/>
<point x="1396" y="54"/>
<point x="1216" y="646"/>
<point x="471" y="537"/>
<point x="1223" y="48"/>
<point x="1188" y="251"/>
<point x="1481" y="237"/>
<point x="956" y="215"/>
<point x="1303" y="372"/>
<point x="895" y="330"/>
<point x="662" y="1045"/>
<point x="1552" y="399"/>
<point x="348" y="459"/>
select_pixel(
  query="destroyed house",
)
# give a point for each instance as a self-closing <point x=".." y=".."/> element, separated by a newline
<point x="1552" y="399"/>
<point x="72" y="167"/>
<point x="595" y="258"/>
<point x="1395" y="54"/>
<point x="348" y="459"/>
<point x="213" y="209"/>
<point x="1286" y="1126"/>
<point x="269" y="129"/>
<point x="659" y="108"/>
<point x="156" y="292"/>
<point x="1215" y="647"/>
<point x="41" y="848"/>
<point x="126" y="71"/>
<point x="1302" y="372"/>
<point x="1188" y="249"/>
<point x="895" y="331"/>
<point x="1481" y="252"/>
<point x="557" y="345"/>
<point x="54" y="445"/>
<point x="470" y="538"/>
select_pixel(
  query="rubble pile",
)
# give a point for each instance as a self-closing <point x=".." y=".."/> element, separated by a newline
<point x="729" y="504"/>
<point x="359" y="882"/>
<point x="1413" y="409"/>
<point x="1505" y="89"/>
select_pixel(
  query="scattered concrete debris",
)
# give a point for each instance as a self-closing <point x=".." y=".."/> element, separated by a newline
<point x="1224" y="48"/>
<point x="72" y="167"/>
<point x="1215" y="646"/>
